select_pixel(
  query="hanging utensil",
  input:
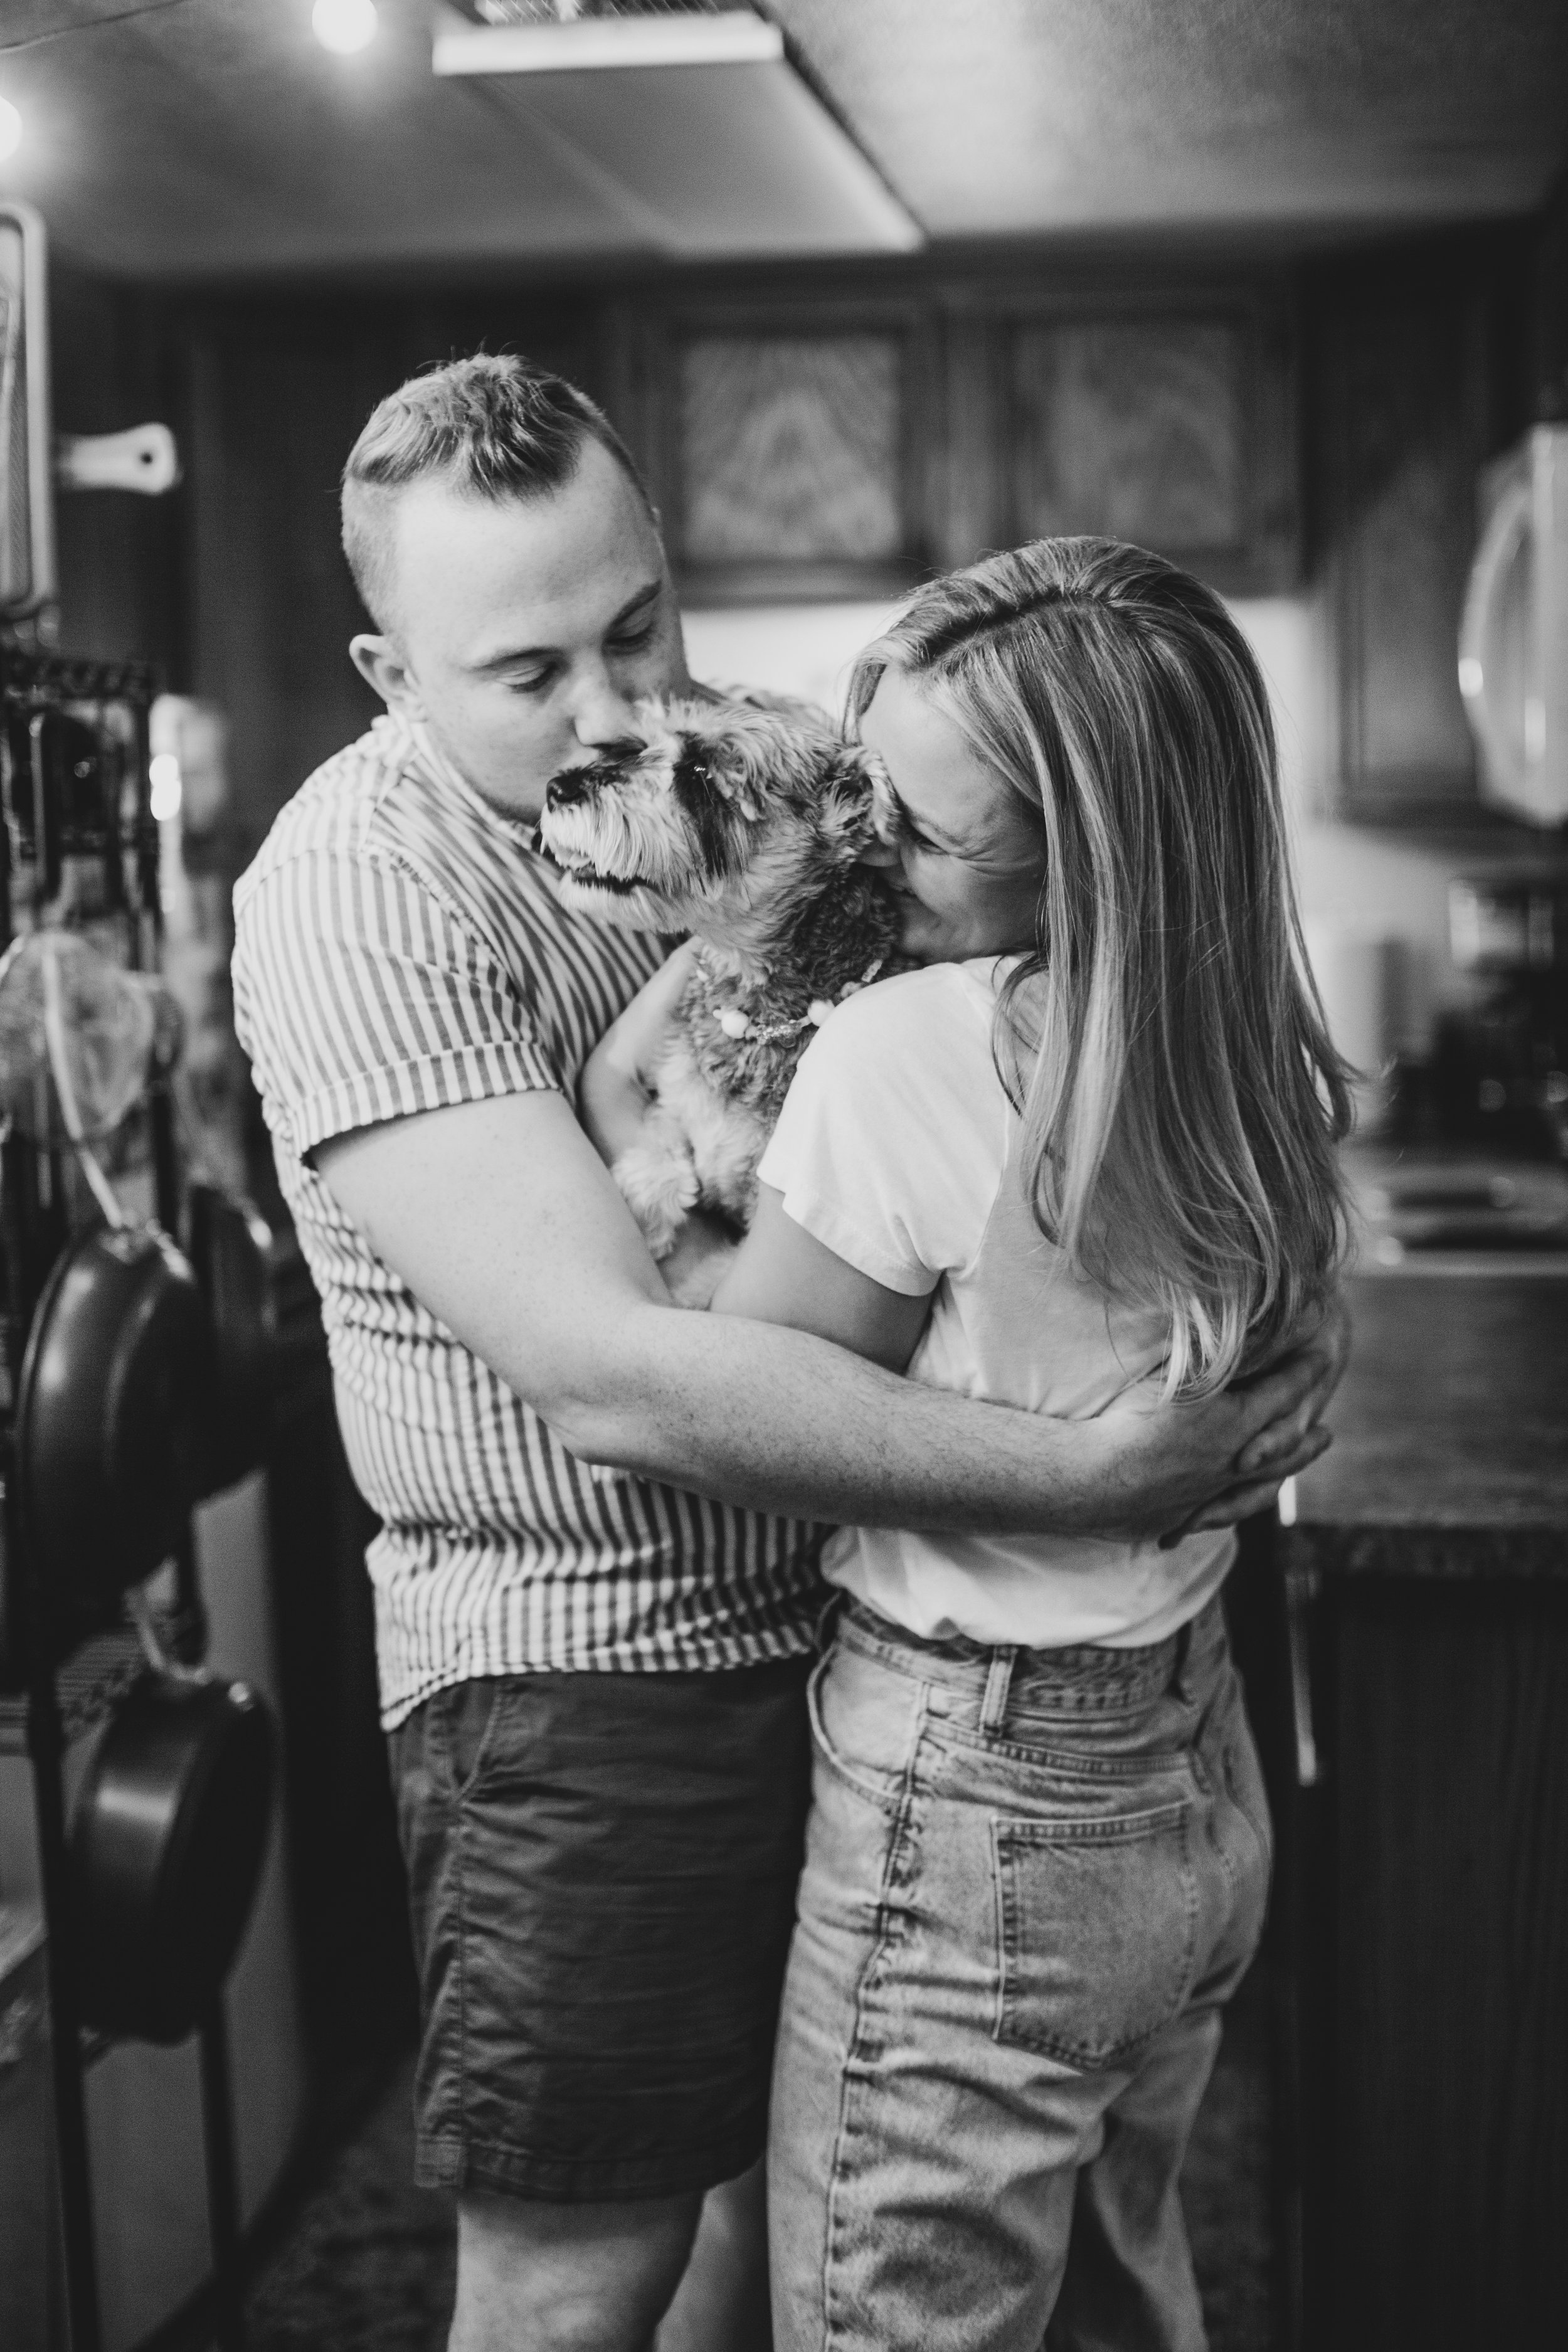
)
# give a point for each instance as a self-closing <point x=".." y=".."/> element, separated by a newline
<point x="114" y="1407"/>
<point x="168" y="1840"/>
<point x="80" y="1041"/>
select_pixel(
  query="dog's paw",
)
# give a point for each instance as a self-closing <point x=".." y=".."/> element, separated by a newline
<point x="661" y="1190"/>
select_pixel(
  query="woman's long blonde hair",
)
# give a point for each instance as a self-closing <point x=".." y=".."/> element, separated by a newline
<point x="1163" y="1042"/>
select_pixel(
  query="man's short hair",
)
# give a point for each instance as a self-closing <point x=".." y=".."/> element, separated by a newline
<point x="493" y="427"/>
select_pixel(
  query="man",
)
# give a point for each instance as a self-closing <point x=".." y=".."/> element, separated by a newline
<point x="591" y="1679"/>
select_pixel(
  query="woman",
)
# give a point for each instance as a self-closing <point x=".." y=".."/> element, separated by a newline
<point x="1088" y="1147"/>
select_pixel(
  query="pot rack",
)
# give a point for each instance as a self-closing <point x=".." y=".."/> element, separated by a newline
<point x="62" y="1676"/>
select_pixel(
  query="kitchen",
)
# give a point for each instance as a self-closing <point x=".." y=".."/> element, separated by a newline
<point x="1281" y="294"/>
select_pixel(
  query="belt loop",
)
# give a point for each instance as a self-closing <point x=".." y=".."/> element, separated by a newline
<point x="998" y="1683"/>
<point x="827" y="1618"/>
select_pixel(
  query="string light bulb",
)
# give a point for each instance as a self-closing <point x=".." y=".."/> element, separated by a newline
<point x="10" y="129"/>
<point x="344" y="26"/>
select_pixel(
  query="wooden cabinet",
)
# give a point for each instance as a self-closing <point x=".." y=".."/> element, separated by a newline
<point x="1413" y="1709"/>
<point x="1169" y="422"/>
<point x="813" y="448"/>
<point x="787" y="447"/>
<point x="1414" y="380"/>
<point x="1427" y="1883"/>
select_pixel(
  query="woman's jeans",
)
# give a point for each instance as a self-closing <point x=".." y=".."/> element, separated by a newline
<point x="1032" y="1878"/>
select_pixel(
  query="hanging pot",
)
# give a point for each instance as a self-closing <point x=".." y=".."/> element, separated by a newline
<point x="113" y="1435"/>
<point x="168" y="1840"/>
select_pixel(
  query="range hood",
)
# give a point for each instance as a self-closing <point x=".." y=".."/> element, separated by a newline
<point x="692" y="122"/>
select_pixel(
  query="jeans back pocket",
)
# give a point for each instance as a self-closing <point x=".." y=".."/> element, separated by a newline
<point x="1096" y="1922"/>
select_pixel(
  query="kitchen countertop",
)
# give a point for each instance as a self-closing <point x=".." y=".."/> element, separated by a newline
<point x="1450" y="1453"/>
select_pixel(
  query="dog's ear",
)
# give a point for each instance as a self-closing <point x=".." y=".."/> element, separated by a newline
<point x="855" y="807"/>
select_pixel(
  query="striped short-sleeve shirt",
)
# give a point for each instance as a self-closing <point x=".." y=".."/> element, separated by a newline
<point x="400" y="947"/>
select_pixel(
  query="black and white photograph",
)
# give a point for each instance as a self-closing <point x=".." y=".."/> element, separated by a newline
<point x="783" y="1175"/>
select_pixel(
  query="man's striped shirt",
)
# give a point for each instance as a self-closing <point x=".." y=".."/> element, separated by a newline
<point x="400" y="947"/>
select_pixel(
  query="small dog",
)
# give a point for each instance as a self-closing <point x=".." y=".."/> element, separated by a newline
<point x="742" y="823"/>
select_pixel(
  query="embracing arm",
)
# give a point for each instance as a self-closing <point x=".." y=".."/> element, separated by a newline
<point x="543" y="1275"/>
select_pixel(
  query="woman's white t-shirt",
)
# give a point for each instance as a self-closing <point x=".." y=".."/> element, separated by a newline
<point x="894" y="1149"/>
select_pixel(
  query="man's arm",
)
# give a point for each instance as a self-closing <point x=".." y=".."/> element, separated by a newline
<point x="503" y="1221"/>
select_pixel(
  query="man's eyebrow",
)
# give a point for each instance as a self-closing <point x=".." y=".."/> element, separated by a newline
<point x="635" y="604"/>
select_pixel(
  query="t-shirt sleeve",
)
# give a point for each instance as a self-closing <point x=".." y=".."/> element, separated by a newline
<point x="360" y="997"/>
<point x="891" y="1141"/>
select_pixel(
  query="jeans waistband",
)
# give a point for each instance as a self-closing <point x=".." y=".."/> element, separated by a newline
<point x="1087" y="1676"/>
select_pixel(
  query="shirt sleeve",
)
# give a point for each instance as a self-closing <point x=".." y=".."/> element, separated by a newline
<point x="360" y="997"/>
<point x="892" y="1138"/>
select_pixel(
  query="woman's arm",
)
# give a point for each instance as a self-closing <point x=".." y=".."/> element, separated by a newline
<point x="614" y="1092"/>
<point x="781" y="1274"/>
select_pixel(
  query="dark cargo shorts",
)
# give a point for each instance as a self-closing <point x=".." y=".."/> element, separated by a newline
<point x="601" y="1874"/>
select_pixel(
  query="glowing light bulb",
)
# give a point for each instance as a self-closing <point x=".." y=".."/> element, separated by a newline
<point x="10" y="129"/>
<point x="344" y="26"/>
<point x="164" y="774"/>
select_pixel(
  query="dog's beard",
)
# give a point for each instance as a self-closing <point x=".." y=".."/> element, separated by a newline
<point x="615" y="864"/>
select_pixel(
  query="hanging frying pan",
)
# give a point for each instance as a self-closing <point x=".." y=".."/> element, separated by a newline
<point x="114" y="1407"/>
<point x="168" y="1840"/>
<point x="112" y="1414"/>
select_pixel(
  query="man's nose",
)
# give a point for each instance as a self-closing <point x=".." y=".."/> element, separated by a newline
<point x="882" y="853"/>
<point x="601" y="715"/>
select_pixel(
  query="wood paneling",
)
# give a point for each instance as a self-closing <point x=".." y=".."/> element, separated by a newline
<point x="1434" y="1912"/>
<point x="121" y="590"/>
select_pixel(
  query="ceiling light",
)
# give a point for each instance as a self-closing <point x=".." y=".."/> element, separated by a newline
<point x="344" y="26"/>
<point x="10" y="129"/>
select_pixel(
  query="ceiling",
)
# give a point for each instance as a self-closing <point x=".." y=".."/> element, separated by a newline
<point x="214" y="138"/>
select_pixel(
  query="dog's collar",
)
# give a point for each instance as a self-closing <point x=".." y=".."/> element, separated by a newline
<point x="738" y="1024"/>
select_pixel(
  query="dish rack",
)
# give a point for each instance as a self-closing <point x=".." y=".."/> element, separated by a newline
<point x="57" y="1681"/>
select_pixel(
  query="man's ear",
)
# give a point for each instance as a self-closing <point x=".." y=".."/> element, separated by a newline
<point x="382" y="664"/>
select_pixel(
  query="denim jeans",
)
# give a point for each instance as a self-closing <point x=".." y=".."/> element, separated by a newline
<point x="1032" y="1879"/>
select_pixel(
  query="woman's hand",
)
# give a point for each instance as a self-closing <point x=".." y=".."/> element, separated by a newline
<point x="615" y="1090"/>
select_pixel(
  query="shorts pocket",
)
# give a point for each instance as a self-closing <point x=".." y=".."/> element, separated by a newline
<point x="465" y="1714"/>
<point x="1097" y="1923"/>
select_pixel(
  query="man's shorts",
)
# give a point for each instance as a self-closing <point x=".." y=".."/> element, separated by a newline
<point x="602" y="1875"/>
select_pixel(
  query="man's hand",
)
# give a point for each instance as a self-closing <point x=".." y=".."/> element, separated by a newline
<point x="1291" y="1440"/>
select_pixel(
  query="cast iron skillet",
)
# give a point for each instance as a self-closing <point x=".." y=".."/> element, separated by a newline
<point x="166" y="1844"/>
<point x="113" y="1416"/>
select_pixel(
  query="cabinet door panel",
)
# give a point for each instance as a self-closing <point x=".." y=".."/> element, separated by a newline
<point x="1402" y="435"/>
<point x="790" y="448"/>
<point x="1168" y="422"/>
<point x="1132" y="430"/>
